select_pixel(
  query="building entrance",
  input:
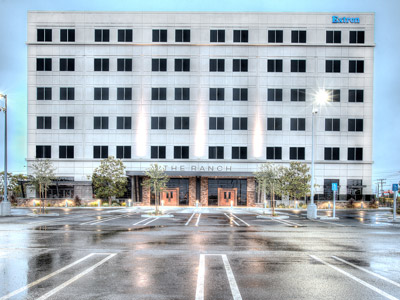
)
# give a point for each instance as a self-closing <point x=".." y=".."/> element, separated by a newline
<point x="226" y="196"/>
<point x="170" y="197"/>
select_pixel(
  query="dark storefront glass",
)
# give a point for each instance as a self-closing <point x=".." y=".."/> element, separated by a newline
<point x="182" y="184"/>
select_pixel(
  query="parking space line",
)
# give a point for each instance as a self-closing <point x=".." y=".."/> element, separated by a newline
<point x="229" y="273"/>
<point x="200" y="278"/>
<point x="367" y="271"/>
<point x="46" y="277"/>
<point x="198" y="220"/>
<point x="68" y="282"/>
<point x="154" y="219"/>
<point x="141" y="221"/>
<point x="190" y="219"/>
<point x="231" y="278"/>
<point x="240" y="220"/>
<point x="375" y="289"/>
<point x="232" y="219"/>
<point x="93" y="222"/>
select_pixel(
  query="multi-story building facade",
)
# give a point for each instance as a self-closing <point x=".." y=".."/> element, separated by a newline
<point x="210" y="96"/>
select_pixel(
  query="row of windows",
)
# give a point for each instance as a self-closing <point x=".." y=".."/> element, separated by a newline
<point x="216" y="36"/>
<point x="214" y="152"/>
<point x="215" y="94"/>
<point x="215" y="123"/>
<point x="183" y="65"/>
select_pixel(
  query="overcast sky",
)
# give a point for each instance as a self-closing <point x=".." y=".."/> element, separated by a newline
<point x="386" y="145"/>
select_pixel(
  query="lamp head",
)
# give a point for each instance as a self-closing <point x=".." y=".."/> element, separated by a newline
<point x="321" y="97"/>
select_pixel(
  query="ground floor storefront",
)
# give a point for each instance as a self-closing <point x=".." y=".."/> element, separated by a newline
<point x="204" y="191"/>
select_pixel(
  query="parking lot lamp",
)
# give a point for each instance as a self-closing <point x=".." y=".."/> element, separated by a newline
<point x="321" y="97"/>
<point x="5" y="205"/>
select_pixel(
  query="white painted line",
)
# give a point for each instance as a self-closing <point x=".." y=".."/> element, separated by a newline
<point x="142" y="221"/>
<point x="367" y="271"/>
<point x="375" y="289"/>
<point x="233" y="220"/>
<point x="198" y="220"/>
<point x="60" y="287"/>
<point x="154" y="219"/>
<point x="190" y="219"/>
<point x="46" y="277"/>
<point x="241" y="220"/>
<point x="200" y="278"/>
<point x="329" y="223"/>
<point x="287" y="223"/>
<point x="104" y="220"/>
<point x="231" y="278"/>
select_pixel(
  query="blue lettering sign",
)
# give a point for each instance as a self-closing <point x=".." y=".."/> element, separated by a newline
<point x="336" y="19"/>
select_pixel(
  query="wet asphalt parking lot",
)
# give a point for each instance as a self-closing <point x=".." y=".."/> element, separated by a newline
<point x="198" y="254"/>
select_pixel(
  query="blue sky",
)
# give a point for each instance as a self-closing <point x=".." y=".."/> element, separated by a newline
<point x="386" y="150"/>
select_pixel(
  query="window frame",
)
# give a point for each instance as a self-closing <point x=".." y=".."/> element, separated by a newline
<point x="276" y="153"/>
<point x="182" y="35"/>
<point x="159" y="151"/>
<point x="274" y="95"/>
<point x="240" y="123"/>
<point x="275" y="36"/>
<point x="181" y="152"/>
<point x="240" y="35"/>
<point x="126" y="152"/>
<point x="101" y="35"/>
<point x="104" y="94"/>
<point x="47" y="34"/>
<point x="158" y="35"/>
<point x="66" y="123"/>
<point x="124" y="123"/>
<point x="158" y="123"/>
<point x="215" y="152"/>
<point x="69" y="35"/>
<point x="125" y="35"/>
<point x="67" y="149"/>
<point x="159" y="94"/>
<point x="274" y="124"/>
<point x="102" y="150"/>
<point x="43" y="122"/>
<point x="217" y="93"/>
<point x="219" y="34"/>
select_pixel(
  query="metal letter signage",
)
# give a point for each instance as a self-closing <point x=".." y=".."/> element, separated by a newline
<point x="336" y="19"/>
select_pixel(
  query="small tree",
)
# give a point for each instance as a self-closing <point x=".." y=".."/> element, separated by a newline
<point x="109" y="179"/>
<point x="156" y="181"/>
<point x="269" y="178"/>
<point x="297" y="180"/>
<point x="14" y="187"/>
<point x="42" y="177"/>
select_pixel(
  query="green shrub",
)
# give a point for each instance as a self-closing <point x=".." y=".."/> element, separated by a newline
<point x="115" y="204"/>
<point x="105" y="204"/>
<point x="123" y="203"/>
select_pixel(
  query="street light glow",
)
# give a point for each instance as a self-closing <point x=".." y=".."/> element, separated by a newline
<point x="322" y="97"/>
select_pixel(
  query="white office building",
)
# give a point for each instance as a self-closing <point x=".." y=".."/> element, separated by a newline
<point x="210" y="96"/>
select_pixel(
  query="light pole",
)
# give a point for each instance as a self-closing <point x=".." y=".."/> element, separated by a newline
<point x="321" y="97"/>
<point x="5" y="205"/>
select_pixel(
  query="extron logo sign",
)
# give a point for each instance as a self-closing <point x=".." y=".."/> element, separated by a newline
<point x="336" y="19"/>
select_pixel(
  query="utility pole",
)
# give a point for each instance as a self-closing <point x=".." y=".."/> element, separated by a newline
<point x="382" y="181"/>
